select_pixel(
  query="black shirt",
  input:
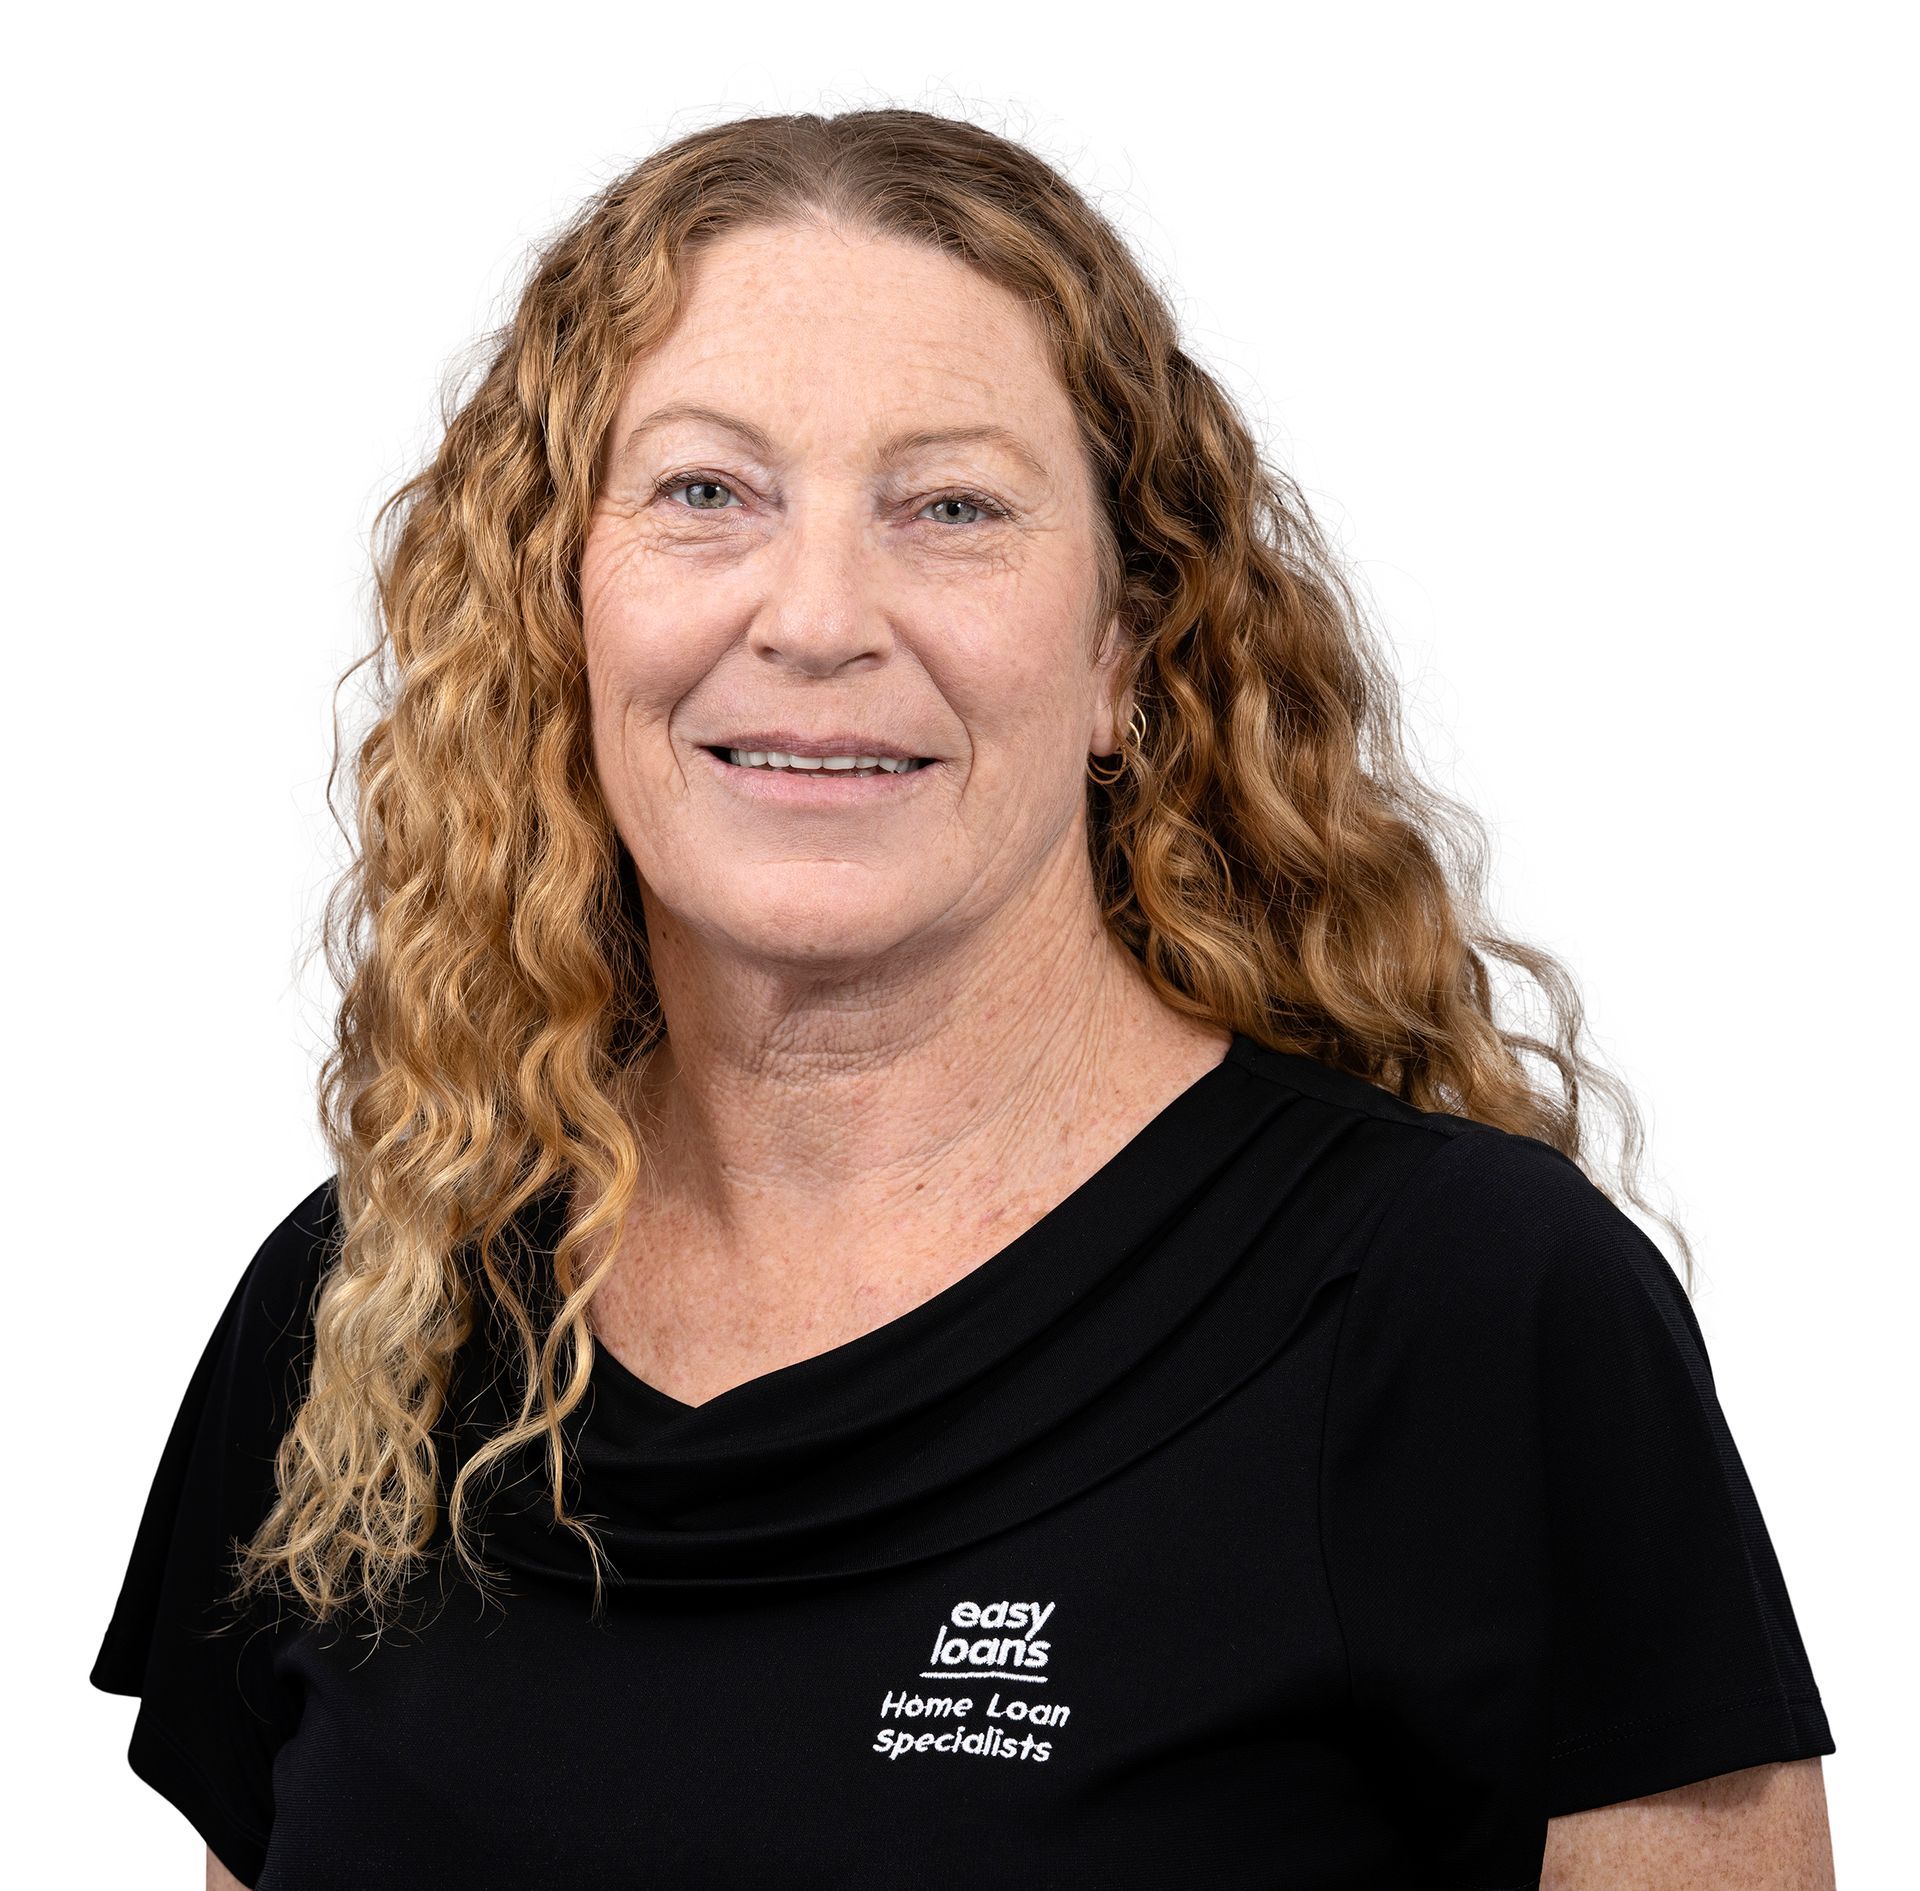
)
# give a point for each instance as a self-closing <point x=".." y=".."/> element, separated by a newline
<point x="1325" y="1494"/>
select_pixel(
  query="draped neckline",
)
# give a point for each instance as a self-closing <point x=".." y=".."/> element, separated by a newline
<point x="1089" y="1337"/>
<point x="979" y="1284"/>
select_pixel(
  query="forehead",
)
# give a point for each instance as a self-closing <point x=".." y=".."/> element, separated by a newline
<point x="824" y="338"/>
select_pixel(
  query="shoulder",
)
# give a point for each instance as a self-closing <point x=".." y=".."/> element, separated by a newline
<point x="1495" y="1212"/>
<point x="1427" y="1165"/>
<point x="262" y="1339"/>
<point x="1495" y="1253"/>
<point x="293" y="1257"/>
<point x="1464" y="1209"/>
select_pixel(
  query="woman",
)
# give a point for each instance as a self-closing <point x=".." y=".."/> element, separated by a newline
<point x="928" y="1196"/>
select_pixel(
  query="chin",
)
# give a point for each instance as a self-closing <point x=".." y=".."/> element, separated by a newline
<point x="810" y="930"/>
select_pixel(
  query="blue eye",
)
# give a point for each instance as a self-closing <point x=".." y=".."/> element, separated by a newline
<point x="697" y="481"/>
<point x="977" y="501"/>
<point x="675" y="482"/>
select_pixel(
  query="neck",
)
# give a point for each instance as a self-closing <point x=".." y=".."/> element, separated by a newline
<point x="781" y="1120"/>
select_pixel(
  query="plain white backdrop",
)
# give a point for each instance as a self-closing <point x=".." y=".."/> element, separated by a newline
<point x="1589" y="333"/>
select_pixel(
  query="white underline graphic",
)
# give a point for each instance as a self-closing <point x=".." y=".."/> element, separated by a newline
<point x="979" y="1674"/>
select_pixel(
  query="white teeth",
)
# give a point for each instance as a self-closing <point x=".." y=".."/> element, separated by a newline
<point x="757" y="758"/>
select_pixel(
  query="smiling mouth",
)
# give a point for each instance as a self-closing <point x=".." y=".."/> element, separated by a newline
<point x="847" y="766"/>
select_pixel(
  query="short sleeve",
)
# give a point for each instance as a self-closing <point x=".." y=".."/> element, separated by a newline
<point x="209" y="1720"/>
<point x="1554" y="1583"/>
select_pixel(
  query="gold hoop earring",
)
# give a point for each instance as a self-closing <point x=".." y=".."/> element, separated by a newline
<point x="1138" y="715"/>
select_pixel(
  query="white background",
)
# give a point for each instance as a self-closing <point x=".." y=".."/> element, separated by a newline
<point x="1589" y="333"/>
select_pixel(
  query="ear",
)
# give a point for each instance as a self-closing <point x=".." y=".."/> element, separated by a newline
<point x="1110" y="716"/>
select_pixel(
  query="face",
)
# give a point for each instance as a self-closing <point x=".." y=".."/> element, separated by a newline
<point x="878" y="537"/>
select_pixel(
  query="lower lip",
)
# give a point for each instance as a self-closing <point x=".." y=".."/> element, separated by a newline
<point x="817" y="787"/>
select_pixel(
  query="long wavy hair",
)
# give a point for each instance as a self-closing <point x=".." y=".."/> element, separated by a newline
<point x="1269" y="855"/>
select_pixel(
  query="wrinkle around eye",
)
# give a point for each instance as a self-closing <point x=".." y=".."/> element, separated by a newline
<point x="993" y="512"/>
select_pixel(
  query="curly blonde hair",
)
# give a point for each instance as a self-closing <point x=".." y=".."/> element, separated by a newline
<point x="1269" y="856"/>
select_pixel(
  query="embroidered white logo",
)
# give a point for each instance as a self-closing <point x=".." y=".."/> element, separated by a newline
<point x="1012" y="1653"/>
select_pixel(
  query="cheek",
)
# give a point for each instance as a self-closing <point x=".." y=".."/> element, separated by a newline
<point x="1019" y="674"/>
<point x="642" y="656"/>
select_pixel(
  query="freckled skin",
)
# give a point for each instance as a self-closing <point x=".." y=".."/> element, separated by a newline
<point x="898" y="1030"/>
<point x="1763" y="1828"/>
<point x="813" y="590"/>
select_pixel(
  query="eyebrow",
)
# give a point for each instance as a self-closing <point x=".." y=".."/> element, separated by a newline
<point x="901" y="447"/>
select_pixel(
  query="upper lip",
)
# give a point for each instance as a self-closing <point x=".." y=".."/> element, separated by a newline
<point x="792" y="742"/>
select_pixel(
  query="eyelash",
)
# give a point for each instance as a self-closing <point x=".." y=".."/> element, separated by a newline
<point x="674" y="481"/>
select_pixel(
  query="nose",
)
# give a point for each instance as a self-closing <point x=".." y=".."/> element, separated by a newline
<point x="824" y="606"/>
